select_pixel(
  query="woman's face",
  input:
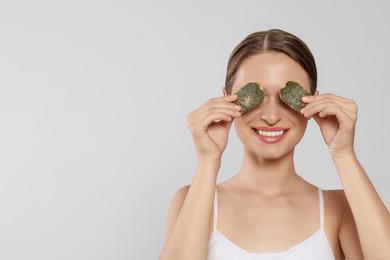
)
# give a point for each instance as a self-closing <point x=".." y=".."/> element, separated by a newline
<point x="273" y="129"/>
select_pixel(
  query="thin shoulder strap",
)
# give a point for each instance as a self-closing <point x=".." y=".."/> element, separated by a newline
<point x="321" y="200"/>
<point x="215" y="210"/>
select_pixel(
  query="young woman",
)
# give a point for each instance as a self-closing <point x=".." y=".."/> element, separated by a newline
<point x="267" y="211"/>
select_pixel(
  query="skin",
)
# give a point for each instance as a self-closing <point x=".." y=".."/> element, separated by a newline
<point x="267" y="207"/>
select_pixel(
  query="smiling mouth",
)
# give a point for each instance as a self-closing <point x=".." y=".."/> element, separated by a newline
<point x="270" y="133"/>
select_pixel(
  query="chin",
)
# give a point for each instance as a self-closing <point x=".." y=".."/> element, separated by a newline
<point x="270" y="153"/>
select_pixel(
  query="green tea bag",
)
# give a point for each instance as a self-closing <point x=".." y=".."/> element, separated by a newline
<point x="292" y="93"/>
<point x="250" y="96"/>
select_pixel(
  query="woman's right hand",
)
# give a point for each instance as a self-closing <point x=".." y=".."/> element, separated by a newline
<point x="210" y="124"/>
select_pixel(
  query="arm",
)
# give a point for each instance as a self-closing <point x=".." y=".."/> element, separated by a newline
<point x="370" y="214"/>
<point x="347" y="233"/>
<point x="336" y="118"/>
<point x="189" y="217"/>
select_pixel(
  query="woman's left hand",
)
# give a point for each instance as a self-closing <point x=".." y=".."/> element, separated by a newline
<point x="336" y="117"/>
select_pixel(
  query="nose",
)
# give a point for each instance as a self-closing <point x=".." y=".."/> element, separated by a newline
<point x="271" y="111"/>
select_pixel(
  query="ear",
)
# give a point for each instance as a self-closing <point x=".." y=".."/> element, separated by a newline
<point x="224" y="91"/>
<point x="317" y="93"/>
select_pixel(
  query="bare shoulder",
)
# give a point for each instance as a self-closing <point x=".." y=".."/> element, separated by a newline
<point x="175" y="207"/>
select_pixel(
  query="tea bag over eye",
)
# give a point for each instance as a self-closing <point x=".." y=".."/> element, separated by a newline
<point x="249" y="96"/>
<point x="292" y="93"/>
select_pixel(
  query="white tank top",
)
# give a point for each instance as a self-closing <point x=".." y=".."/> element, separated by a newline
<point x="315" y="247"/>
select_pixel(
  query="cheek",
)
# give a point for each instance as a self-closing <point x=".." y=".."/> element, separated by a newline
<point x="243" y="121"/>
<point x="303" y="120"/>
<point x="301" y="123"/>
<point x="243" y="130"/>
<point x="239" y="126"/>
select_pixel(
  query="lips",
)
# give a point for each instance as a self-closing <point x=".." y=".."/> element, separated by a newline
<point x="270" y="135"/>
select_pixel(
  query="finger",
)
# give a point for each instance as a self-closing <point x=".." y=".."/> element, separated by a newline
<point x="342" y="117"/>
<point x="212" y="105"/>
<point x="228" y="98"/>
<point x="327" y="95"/>
<point x="316" y="106"/>
<point x="331" y="102"/>
<point x="325" y="106"/>
<point x="214" y="110"/>
<point x="214" y="117"/>
<point x="215" y="107"/>
<point x="227" y="119"/>
<point x="226" y="109"/>
<point x="219" y="103"/>
<point x="216" y="114"/>
<point x="348" y="104"/>
<point x="203" y="119"/>
<point x="198" y="125"/>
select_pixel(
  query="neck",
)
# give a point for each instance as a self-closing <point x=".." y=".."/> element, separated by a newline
<point x="271" y="176"/>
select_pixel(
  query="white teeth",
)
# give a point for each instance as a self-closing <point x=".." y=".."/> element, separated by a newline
<point x="270" y="133"/>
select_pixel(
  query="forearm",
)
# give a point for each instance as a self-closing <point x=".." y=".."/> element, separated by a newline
<point x="190" y="234"/>
<point x="370" y="214"/>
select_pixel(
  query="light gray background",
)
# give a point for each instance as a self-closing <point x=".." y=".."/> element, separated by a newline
<point x="93" y="104"/>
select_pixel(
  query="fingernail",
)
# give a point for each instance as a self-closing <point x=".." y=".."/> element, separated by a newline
<point x="305" y="98"/>
<point x="237" y="107"/>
